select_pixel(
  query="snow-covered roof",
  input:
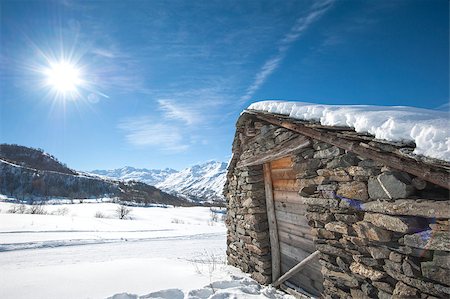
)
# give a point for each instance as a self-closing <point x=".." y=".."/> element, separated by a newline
<point x="428" y="129"/>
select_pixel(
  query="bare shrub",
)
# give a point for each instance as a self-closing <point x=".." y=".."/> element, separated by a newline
<point x="37" y="209"/>
<point x="17" y="209"/>
<point x="99" y="214"/>
<point x="61" y="211"/>
<point x="123" y="211"/>
<point x="177" y="221"/>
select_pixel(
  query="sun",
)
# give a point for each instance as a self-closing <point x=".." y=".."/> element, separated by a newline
<point x="63" y="77"/>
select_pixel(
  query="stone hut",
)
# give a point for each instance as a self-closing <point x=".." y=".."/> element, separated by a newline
<point x="377" y="215"/>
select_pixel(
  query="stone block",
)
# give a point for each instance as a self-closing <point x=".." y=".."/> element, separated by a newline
<point x="390" y="185"/>
<point x="346" y="160"/>
<point x="442" y="258"/>
<point x="318" y="146"/>
<point x="342" y="277"/>
<point x="411" y="267"/>
<point x="369" y="231"/>
<point x="432" y="271"/>
<point x="366" y="271"/>
<point x="324" y="217"/>
<point x="331" y="250"/>
<point x="362" y="171"/>
<point x="358" y="294"/>
<point x="334" y="175"/>
<point x="393" y="266"/>
<point x="397" y="223"/>
<point x="328" y="153"/>
<point x="379" y="252"/>
<point x="338" y="227"/>
<point x="395" y="257"/>
<point x="352" y="218"/>
<point x="322" y="202"/>
<point x="343" y="265"/>
<point x="405" y="291"/>
<point x="383" y="295"/>
<point x="367" y="261"/>
<point x="431" y="240"/>
<point x="382" y="285"/>
<point x="424" y="286"/>
<point x="323" y="233"/>
<point x="368" y="290"/>
<point x="410" y="207"/>
<point x="353" y="190"/>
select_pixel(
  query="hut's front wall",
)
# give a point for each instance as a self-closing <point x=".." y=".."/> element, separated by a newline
<point x="381" y="233"/>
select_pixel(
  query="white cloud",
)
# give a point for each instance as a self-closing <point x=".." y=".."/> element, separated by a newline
<point x="178" y="112"/>
<point x="144" y="132"/>
<point x="300" y="26"/>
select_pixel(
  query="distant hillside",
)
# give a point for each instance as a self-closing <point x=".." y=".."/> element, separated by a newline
<point x="32" y="158"/>
<point x="203" y="182"/>
<point x="36" y="175"/>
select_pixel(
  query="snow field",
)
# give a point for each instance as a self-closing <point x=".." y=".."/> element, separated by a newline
<point x="169" y="253"/>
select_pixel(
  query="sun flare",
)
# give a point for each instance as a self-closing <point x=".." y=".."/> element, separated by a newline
<point x="63" y="77"/>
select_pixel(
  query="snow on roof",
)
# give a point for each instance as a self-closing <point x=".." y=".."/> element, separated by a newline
<point x="429" y="129"/>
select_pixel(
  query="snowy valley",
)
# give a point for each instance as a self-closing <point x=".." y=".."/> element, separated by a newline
<point x="85" y="251"/>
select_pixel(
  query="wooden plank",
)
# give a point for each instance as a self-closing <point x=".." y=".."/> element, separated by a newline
<point x="291" y="218"/>
<point x="314" y="266"/>
<point x="422" y="170"/>
<point x="295" y="208"/>
<point x="282" y="163"/>
<point x="296" y="241"/>
<point x="293" y="252"/>
<point x="286" y="196"/>
<point x="273" y="230"/>
<point x="286" y="185"/>
<point x="284" y="174"/>
<point x="312" y="270"/>
<point x="303" y="281"/>
<point x="280" y="150"/>
<point x="298" y="230"/>
<point x="295" y="269"/>
<point x="298" y="294"/>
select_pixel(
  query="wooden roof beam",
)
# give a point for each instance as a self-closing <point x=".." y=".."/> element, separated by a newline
<point x="421" y="170"/>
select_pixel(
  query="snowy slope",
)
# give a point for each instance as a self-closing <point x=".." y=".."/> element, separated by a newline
<point x="202" y="182"/>
<point x="429" y="129"/>
<point x="128" y="173"/>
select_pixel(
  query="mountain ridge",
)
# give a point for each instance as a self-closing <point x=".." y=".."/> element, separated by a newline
<point x="30" y="174"/>
<point x="200" y="182"/>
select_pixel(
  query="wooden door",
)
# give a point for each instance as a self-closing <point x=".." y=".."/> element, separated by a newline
<point x="294" y="233"/>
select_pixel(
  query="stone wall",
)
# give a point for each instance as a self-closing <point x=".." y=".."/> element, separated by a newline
<point x="248" y="238"/>
<point x="381" y="233"/>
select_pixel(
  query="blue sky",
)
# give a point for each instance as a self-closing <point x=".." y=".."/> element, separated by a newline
<point x="165" y="81"/>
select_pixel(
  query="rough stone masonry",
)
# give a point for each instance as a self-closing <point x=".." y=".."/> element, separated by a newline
<point x="381" y="233"/>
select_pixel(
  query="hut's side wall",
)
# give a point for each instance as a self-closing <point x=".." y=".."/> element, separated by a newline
<point x="248" y="237"/>
<point x="381" y="233"/>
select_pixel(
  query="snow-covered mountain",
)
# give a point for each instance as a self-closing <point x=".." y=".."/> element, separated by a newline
<point x="128" y="173"/>
<point x="203" y="182"/>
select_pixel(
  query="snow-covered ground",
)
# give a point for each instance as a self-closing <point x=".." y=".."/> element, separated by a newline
<point x="157" y="252"/>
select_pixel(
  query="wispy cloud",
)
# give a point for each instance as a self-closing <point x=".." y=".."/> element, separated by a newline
<point x="176" y="111"/>
<point x="301" y="25"/>
<point x="144" y="132"/>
